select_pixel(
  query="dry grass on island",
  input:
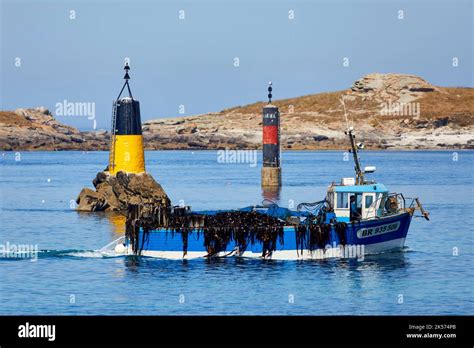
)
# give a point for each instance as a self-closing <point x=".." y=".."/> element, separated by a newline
<point x="390" y="111"/>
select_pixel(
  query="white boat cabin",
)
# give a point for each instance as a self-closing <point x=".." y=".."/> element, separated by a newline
<point x="357" y="202"/>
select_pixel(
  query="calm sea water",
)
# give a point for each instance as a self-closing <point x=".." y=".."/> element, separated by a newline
<point x="434" y="275"/>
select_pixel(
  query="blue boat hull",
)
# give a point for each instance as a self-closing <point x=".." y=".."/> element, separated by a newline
<point x="362" y="238"/>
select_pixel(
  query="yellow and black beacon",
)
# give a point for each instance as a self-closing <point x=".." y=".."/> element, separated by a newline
<point x="126" y="143"/>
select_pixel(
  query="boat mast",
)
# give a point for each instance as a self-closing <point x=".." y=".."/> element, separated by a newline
<point x="359" y="172"/>
<point x="355" y="155"/>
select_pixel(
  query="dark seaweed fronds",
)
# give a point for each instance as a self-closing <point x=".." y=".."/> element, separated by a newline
<point x="216" y="240"/>
<point x="311" y="236"/>
<point x="242" y="228"/>
<point x="300" y="233"/>
<point x="132" y="227"/>
<point x="145" y="217"/>
<point x="340" y="228"/>
<point x="184" y="237"/>
<point x="323" y="235"/>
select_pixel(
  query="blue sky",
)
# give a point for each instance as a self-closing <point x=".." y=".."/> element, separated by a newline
<point x="190" y="62"/>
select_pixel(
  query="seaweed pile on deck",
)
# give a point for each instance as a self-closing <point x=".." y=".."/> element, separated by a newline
<point x="242" y="227"/>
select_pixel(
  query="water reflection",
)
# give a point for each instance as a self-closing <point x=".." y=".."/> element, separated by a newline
<point x="132" y="263"/>
<point x="389" y="261"/>
<point x="115" y="220"/>
<point x="371" y="264"/>
<point x="386" y="262"/>
<point x="271" y="193"/>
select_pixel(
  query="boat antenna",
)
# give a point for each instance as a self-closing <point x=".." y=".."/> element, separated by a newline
<point x="345" y="113"/>
<point x="355" y="155"/>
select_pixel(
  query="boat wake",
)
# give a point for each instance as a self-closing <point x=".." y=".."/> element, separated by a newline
<point x="72" y="253"/>
<point x="107" y="251"/>
<point x="91" y="254"/>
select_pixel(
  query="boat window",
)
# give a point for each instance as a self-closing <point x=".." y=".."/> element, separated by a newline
<point x="359" y="201"/>
<point x="342" y="200"/>
<point x="368" y="201"/>
<point x="382" y="198"/>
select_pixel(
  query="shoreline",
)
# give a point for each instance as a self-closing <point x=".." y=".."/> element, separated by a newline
<point x="260" y="150"/>
<point x="431" y="118"/>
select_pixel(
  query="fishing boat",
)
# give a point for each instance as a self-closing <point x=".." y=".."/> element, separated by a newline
<point x="357" y="217"/>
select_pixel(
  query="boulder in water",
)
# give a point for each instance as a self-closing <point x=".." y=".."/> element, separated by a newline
<point x="115" y="192"/>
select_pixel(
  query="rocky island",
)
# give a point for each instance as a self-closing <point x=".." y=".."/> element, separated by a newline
<point x="390" y="111"/>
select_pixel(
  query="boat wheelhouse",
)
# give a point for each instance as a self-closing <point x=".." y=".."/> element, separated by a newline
<point x="369" y="201"/>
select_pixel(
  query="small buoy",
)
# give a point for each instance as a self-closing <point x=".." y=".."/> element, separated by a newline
<point x="120" y="249"/>
<point x="43" y="201"/>
<point x="49" y="180"/>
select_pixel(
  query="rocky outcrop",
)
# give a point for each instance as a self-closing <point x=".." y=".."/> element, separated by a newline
<point x="388" y="110"/>
<point x="392" y="83"/>
<point x="114" y="193"/>
<point x="392" y="87"/>
<point x="37" y="129"/>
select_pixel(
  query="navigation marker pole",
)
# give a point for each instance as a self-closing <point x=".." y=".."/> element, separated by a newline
<point x="126" y="145"/>
<point x="271" y="170"/>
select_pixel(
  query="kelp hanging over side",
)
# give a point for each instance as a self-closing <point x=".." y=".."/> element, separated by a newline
<point x="340" y="228"/>
<point x="314" y="233"/>
<point x="244" y="228"/>
<point x="145" y="216"/>
<point x="219" y="229"/>
<point x="312" y="236"/>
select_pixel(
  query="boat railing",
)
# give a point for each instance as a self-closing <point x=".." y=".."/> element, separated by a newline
<point x="413" y="202"/>
<point x="387" y="205"/>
